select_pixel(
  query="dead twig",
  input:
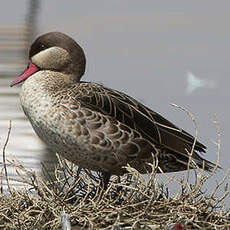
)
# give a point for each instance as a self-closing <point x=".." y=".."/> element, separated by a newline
<point x="4" y="156"/>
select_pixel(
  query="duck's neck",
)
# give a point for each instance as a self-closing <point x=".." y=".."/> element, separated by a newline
<point x="50" y="80"/>
<point x="45" y="84"/>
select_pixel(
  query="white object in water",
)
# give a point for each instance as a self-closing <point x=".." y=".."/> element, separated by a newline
<point x="194" y="83"/>
<point x="65" y="221"/>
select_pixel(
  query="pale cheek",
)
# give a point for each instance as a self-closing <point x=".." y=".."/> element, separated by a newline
<point x="53" y="58"/>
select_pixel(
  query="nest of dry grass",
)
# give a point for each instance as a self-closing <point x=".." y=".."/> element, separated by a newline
<point x="74" y="201"/>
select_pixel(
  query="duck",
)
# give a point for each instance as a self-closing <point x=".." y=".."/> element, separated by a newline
<point x="93" y="126"/>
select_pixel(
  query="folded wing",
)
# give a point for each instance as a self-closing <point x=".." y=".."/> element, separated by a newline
<point x="159" y="131"/>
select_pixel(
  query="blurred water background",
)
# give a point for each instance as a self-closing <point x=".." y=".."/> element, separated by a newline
<point x="144" y="49"/>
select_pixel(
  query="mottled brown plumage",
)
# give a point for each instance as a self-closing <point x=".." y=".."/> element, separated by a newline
<point x="93" y="126"/>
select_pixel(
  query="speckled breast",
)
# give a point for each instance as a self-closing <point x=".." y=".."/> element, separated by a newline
<point x="53" y="120"/>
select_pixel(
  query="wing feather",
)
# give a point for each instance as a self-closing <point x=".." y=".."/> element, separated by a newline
<point x="129" y="111"/>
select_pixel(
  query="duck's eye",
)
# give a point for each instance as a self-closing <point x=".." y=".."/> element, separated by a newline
<point x="42" y="46"/>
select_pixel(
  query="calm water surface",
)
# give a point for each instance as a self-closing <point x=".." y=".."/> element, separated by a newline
<point x="144" y="50"/>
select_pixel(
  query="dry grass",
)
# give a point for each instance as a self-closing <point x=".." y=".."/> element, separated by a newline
<point x="130" y="202"/>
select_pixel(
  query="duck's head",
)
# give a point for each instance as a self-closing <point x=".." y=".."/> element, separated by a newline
<point x="54" y="51"/>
